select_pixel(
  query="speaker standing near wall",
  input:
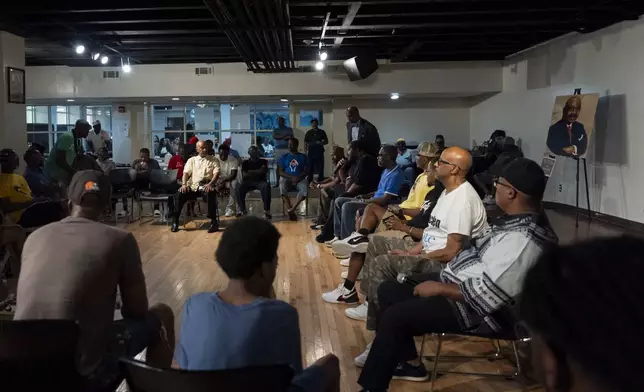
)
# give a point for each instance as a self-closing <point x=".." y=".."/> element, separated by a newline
<point x="360" y="129"/>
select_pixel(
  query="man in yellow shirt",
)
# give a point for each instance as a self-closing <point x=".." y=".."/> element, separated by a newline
<point x="200" y="175"/>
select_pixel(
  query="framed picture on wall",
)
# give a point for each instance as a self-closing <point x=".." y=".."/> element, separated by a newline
<point x="307" y="115"/>
<point x="16" y="84"/>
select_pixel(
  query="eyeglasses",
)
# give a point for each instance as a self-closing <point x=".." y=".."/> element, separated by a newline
<point x="497" y="183"/>
<point x="444" y="162"/>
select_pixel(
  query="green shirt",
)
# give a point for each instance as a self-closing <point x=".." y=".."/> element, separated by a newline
<point x="65" y="143"/>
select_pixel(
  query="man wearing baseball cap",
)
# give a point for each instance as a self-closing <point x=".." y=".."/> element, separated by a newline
<point x="71" y="270"/>
<point x="475" y="291"/>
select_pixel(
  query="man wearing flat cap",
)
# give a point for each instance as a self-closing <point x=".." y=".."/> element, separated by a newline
<point x="568" y="137"/>
<point x="476" y="290"/>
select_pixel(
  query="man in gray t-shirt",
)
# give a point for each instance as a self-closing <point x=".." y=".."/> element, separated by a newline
<point x="71" y="270"/>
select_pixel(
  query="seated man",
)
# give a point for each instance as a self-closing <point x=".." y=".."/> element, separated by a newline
<point x="67" y="274"/>
<point x="227" y="181"/>
<point x="484" y="180"/>
<point x="374" y="214"/>
<point x="107" y="165"/>
<point x="329" y="188"/>
<point x="476" y="290"/>
<point x="199" y="178"/>
<point x="242" y="325"/>
<point x="39" y="183"/>
<point x="254" y="172"/>
<point x="16" y="200"/>
<point x="143" y="166"/>
<point x="360" y="174"/>
<point x="391" y="179"/>
<point x="561" y="290"/>
<point x="292" y="170"/>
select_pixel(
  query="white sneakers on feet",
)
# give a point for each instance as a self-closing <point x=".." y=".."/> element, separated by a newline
<point x="341" y="255"/>
<point x="345" y="262"/>
<point x="121" y="214"/>
<point x="330" y="242"/>
<point x="157" y="213"/>
<point x="356" y="242"/>
<point x="362" y="358"/>
<point x="341" y="296"/>
<point x="229" y="212"/>
<point x="358" y="313"/>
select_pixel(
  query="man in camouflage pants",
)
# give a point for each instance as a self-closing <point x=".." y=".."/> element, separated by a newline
<point x="380" y="266"/>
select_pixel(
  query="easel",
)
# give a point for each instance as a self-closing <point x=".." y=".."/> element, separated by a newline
<point x="576" y="158"/>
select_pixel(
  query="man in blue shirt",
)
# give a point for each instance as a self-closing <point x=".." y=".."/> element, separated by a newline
<point x="39" y="183"/>
<point x="282" y="134"/>
<point x="292" y="170"/>
<point x="243" y="325"/>
<point x="345" y="213"/>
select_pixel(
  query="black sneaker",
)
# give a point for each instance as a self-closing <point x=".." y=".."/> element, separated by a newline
<point x="268" y="216"/>
<point x="239" y="214"/>
<point x="214" y="227"/>
<point x="292" y="216"/>
<point x="405" y="371"/>
<point x="175" y="227"/>
<point x="322" y="238"/>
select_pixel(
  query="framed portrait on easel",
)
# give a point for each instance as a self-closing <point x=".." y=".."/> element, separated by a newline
<point x="16" y="85"/>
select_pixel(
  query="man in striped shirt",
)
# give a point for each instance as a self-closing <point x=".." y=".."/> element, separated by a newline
<point x="476" y="289"/>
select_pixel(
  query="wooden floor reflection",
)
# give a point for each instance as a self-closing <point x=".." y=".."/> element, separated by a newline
<point x="179" y="265"/>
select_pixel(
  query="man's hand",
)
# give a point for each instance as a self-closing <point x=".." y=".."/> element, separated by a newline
<point x="399" y="252"/>
<point x="569" y="150"/>
<point x="184" y="188"/>
<point x="428" y="289"/>
<point x="394" y="223"/>
<point x="341" y="162"/>
<point x="313" y="185"/>
<point x="394" y="209"/>
<point x="208" y="188"/>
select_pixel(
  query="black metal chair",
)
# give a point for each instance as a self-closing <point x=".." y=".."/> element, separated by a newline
<point x="38" y="354"/>
<point x="143" y="378"/>
<point x="122" y="180"/>
<point x="159" y="179"/>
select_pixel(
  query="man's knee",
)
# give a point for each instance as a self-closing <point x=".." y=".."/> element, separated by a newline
<point x="164" y="313"/>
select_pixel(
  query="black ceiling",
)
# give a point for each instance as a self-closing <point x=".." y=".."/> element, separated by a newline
<point x="269" y="35"/>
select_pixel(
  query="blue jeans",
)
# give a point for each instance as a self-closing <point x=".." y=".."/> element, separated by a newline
<point x="344" y="214"/>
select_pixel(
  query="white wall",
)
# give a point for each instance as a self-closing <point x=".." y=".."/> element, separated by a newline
<point x="13" y="121"/>
<point x="230" y="80"/>
<point x="608" y="62"/>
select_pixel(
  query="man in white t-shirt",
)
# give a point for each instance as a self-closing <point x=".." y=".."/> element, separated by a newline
<point x="458" y="216"/>
<point x="227" y="182"/>
<point x="98" y="138"/>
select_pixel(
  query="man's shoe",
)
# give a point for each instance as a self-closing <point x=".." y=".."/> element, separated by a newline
<point x="229" y="213"/>
<point x="405" y="371"/>
<point x="175" y="227"/>
<point x="321" y="238"/>
<point x="341" y="256"/>
<point x="239" y="214"/>
<point x="341" y="296"/>
<point x="345" y="262"/>
<point x="214" y="227"/>
<point x="267" y="215"/>
<point x="358" y="313"/>
<point x="362" y="358"/>
<point x="330" y="242"/>
<point x="356" y="242"/>
<point x="292" y="216"/>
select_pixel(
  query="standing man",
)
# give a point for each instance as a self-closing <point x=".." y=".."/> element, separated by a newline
<point x="568" y="137"/>
<point x="282" y="134"/>
<point x="360" y="129"/>
<point x="59" y="163"/>
<point x="98" y="138"/>
<point x="199" y="179"/>
<point x="292" y="172"/>
<point x="314" y="142"/>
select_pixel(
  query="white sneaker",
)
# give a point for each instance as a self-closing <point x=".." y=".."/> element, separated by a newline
<point x="329" y="243"/>
<point x="121" y="214"/>
<point x="345" y="262"/>
<point x="229" y="213"/>
<point x="341" y="255"/>
<point x="344" y="275"/>
<point x="157" y="213"/>
<point x="358" y="313"/>
<point x="356" y="242"/>
<point x="341" y="296"/>
<point x="362" y="358"/>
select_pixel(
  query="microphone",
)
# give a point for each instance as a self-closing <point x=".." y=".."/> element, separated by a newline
<point x="406" y="279"/>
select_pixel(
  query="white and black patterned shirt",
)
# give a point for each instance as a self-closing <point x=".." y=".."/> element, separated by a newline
<point x="490" y="273"/>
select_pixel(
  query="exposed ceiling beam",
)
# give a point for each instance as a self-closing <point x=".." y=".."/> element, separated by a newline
<point x="346" y="22"/>
<point x="33" y="11"/>
<point x="125" y="21"/>
<point x="409" y="49"/>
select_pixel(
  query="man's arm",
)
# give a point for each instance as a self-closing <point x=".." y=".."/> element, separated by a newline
<point x="90" y="146"/>
<point x="282" y="173"/>
<point x="432" y="288"/>
<point x="410" y="211"/>
<point x="452" y="247"/>
<point x="382" y="200"/>
<point x="61" y="162"/>
<point x="325" y="139"/>
<point x="132" y="281"/>
<point x="229" y="178"/>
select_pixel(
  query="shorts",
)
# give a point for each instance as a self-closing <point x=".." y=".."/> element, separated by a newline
<point x="286" y="185"/>
<point x="127" y="338"/>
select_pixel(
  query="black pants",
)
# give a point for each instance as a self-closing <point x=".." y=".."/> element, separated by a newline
<point x="316" y="161"/>
<point x="403" y="316"/>
<point x="246" y="186"/>
<point x="211" y="199"/>
<point x="40" y="214"/>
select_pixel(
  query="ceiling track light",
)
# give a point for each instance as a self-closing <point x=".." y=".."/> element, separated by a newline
<point x="80" y="49"/>
<point x="125" y="65"/>
<point x="324" y="56"/>
<point x="319" y="66"/>
<point x="104" y="59"/>
<point x="395" y="96"/>
<point x="96" y="56"/>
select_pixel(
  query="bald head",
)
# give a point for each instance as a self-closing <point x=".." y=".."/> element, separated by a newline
<point x="202" y="148"/>
<point x="459" y="157"/>
<point x="572" y="108"/>
<point x="82" y="128"/>
<point x="353" y="114"/>
<point x="453" y="166"/>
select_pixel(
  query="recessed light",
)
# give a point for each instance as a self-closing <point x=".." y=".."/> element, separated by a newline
<point x="319" y="66"/>
<point x="175" y="99"/>
<point x="70" y="100"/>
<point x="127" y="68"/>
<point x="284" y="100"/>
<point x="324" y="56"/>
<point x="80" y="49"/>
<point x="395" y="96"/>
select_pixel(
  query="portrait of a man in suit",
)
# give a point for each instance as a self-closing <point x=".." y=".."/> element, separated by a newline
<point x="568" y="137"/>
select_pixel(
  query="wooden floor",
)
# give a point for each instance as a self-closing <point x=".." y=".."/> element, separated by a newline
<point x="179" y="265"/>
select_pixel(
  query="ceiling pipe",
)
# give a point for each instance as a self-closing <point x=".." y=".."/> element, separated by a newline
<point x="260" y="51"/>
<point x="261" y="37"/>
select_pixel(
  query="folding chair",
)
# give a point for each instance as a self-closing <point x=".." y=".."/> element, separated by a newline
<point x="159" y="179"/>
<point x="122" y="180"/>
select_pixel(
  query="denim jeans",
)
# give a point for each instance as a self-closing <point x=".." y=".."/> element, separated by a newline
<point x="344" y="215"/>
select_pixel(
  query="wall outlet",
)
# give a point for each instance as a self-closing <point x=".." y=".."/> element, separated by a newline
<point x="560" y="188"/>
